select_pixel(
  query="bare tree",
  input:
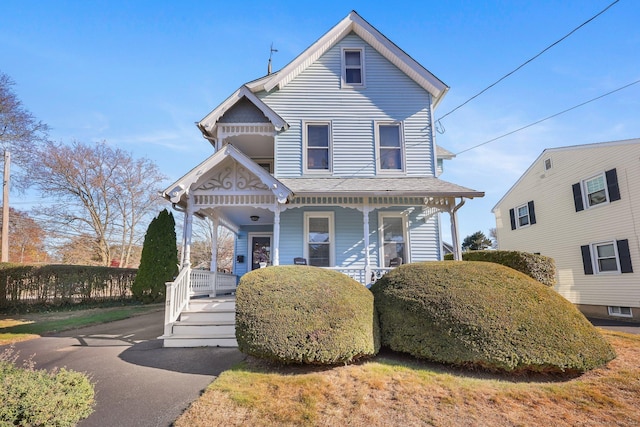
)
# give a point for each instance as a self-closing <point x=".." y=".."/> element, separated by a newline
<point x="203" y="232"/>
<point x="493" y="235"/>
<point x="20" y="132"/>
<point x="136" y="178"/>
<point x="99" y="191"/>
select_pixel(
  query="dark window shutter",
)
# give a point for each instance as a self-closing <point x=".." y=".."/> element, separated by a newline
<point x="612" y="185"/>
<point x="532" y="213"/>
<point x="625" y="256"/>
<point x="512" y="214"/>
<point x="586" y="259"/>
<point x="577" y="197"/>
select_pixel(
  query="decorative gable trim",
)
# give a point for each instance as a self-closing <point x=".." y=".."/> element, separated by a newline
<point x="199" y="176"/>
<point x="208" y="125"/>
<point x="354" y="22"/>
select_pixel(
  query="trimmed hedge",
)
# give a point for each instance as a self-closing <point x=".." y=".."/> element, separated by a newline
<point x="539" y="267"/>
<point x="33" y="397"/>
<point x="484" y="315"/>
<point x="62" y="284"/>
<point x="304" y="314"/>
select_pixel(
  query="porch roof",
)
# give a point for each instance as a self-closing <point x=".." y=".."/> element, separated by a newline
<point x="400" y="186"/>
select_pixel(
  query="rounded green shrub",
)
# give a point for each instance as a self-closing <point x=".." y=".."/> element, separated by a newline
<point x="484" y="315"/>
<point x="303" y="314"/>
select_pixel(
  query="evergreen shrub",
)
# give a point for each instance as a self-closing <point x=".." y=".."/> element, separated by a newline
<point x="32" y="397"/>
<point x="484" y="315"/>
<point x="304" y="314"/>
<point x="539" y="267"/>
<point x="158" y="261"/>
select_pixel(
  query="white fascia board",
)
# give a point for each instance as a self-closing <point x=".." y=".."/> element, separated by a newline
<point x="174" y="192"/>
<point x="354" y="22"/>
<point x="210" y="121"/>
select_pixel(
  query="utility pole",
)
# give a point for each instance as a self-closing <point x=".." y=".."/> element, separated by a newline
<point x="5" y="209"/>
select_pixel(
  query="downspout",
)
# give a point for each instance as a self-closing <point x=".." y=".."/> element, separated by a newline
<point x="457" y="250"/>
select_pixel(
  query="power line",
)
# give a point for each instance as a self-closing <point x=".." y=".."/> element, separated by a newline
<point x="549" y="117"/>
<point x="528" y="61"/>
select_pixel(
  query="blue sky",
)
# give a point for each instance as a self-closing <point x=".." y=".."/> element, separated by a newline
<point x="138" y="74"/>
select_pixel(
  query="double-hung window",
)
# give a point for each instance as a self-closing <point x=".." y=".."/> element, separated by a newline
<point x="353" y="67"/>
<point x="319" y="238"/>
<point x="523" y="215"/>
<point x="393" y="238"/>
<point x="607" y="257"/>
<point x="390" y="147"/>
<point x="318" y="147"/>
<point x="596" y="190"/>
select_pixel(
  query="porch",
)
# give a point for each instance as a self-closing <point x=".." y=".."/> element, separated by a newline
<point x="200" y="306"/>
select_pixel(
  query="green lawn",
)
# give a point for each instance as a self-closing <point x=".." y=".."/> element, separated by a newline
<point x="16" y="328"/>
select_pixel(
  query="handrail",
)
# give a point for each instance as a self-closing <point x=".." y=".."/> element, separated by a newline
<point x="177" y="298"/>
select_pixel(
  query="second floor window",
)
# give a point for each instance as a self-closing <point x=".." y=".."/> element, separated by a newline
<point x="597" y="190"/>
<point x="523" y="216"/>
<point x="390" y="146"/>
<point x="318" y="147"/>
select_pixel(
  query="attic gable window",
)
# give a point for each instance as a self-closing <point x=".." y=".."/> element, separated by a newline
<point x="353" y="67"/>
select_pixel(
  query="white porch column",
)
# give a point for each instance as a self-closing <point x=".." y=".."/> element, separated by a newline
<point x="367" y="257"/>
<point x="188" y="228"/>
<point x="276" y="236"/>
<point x="214" y="244"/>
<point x="184" y="238"/>
<point x="457" y="250"/>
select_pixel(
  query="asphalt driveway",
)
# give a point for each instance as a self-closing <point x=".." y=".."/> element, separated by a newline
<point x="137" y="381"/>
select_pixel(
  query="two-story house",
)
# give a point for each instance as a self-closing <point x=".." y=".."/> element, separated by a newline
<point x="579" y="205"/>
<point x="329" y="162"/>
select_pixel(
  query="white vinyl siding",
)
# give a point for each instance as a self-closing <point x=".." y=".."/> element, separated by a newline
<point x="561" y="231"/>
<point x="353" y="114"/>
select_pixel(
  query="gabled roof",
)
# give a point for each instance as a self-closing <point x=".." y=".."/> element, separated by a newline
<point x="546" y="151"/>
<point x="354" y="22"/>
<point x="443" y="153"/>
<point x="175" y="192"/>
<point x="208" y="123"/>
<point x="405" y="186"/>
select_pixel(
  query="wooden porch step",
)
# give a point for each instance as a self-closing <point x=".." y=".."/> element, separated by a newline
<point x="204" y="329"/>
<point x="218" y="340"/>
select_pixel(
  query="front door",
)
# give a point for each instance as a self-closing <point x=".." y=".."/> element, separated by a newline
<point x="260" y="251"/>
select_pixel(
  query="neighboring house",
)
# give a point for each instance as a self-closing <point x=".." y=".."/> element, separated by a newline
<point x="580" y="205"/>
<point x="330" y="161"/>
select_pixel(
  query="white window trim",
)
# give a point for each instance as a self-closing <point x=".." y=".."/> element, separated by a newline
<point x="585" y="195"/>
<point x="403" y="159"/>
<point x="332" y="235"/>
<point x="544" y="163"/>
<point x="343" y="67"/>
<point x="526" y="205"/>
<point x="594" y="257"/>
<point x="405" y="235"/>
<point x="305" y="148"/>
<point x="612" y="312"/>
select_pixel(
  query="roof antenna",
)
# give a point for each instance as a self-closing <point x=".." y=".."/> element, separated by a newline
<point x="271" y="50"/>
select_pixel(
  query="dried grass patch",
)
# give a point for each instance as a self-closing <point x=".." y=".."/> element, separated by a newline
<point x="393" y="389"/>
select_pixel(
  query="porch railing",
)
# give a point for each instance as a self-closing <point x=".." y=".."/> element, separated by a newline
<point x="212" y="283"/>
<point x="365" y="276"/>
<point x="177" y="298"/>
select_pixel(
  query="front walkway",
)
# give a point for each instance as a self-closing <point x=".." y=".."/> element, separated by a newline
<point x="137" y="381"/>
